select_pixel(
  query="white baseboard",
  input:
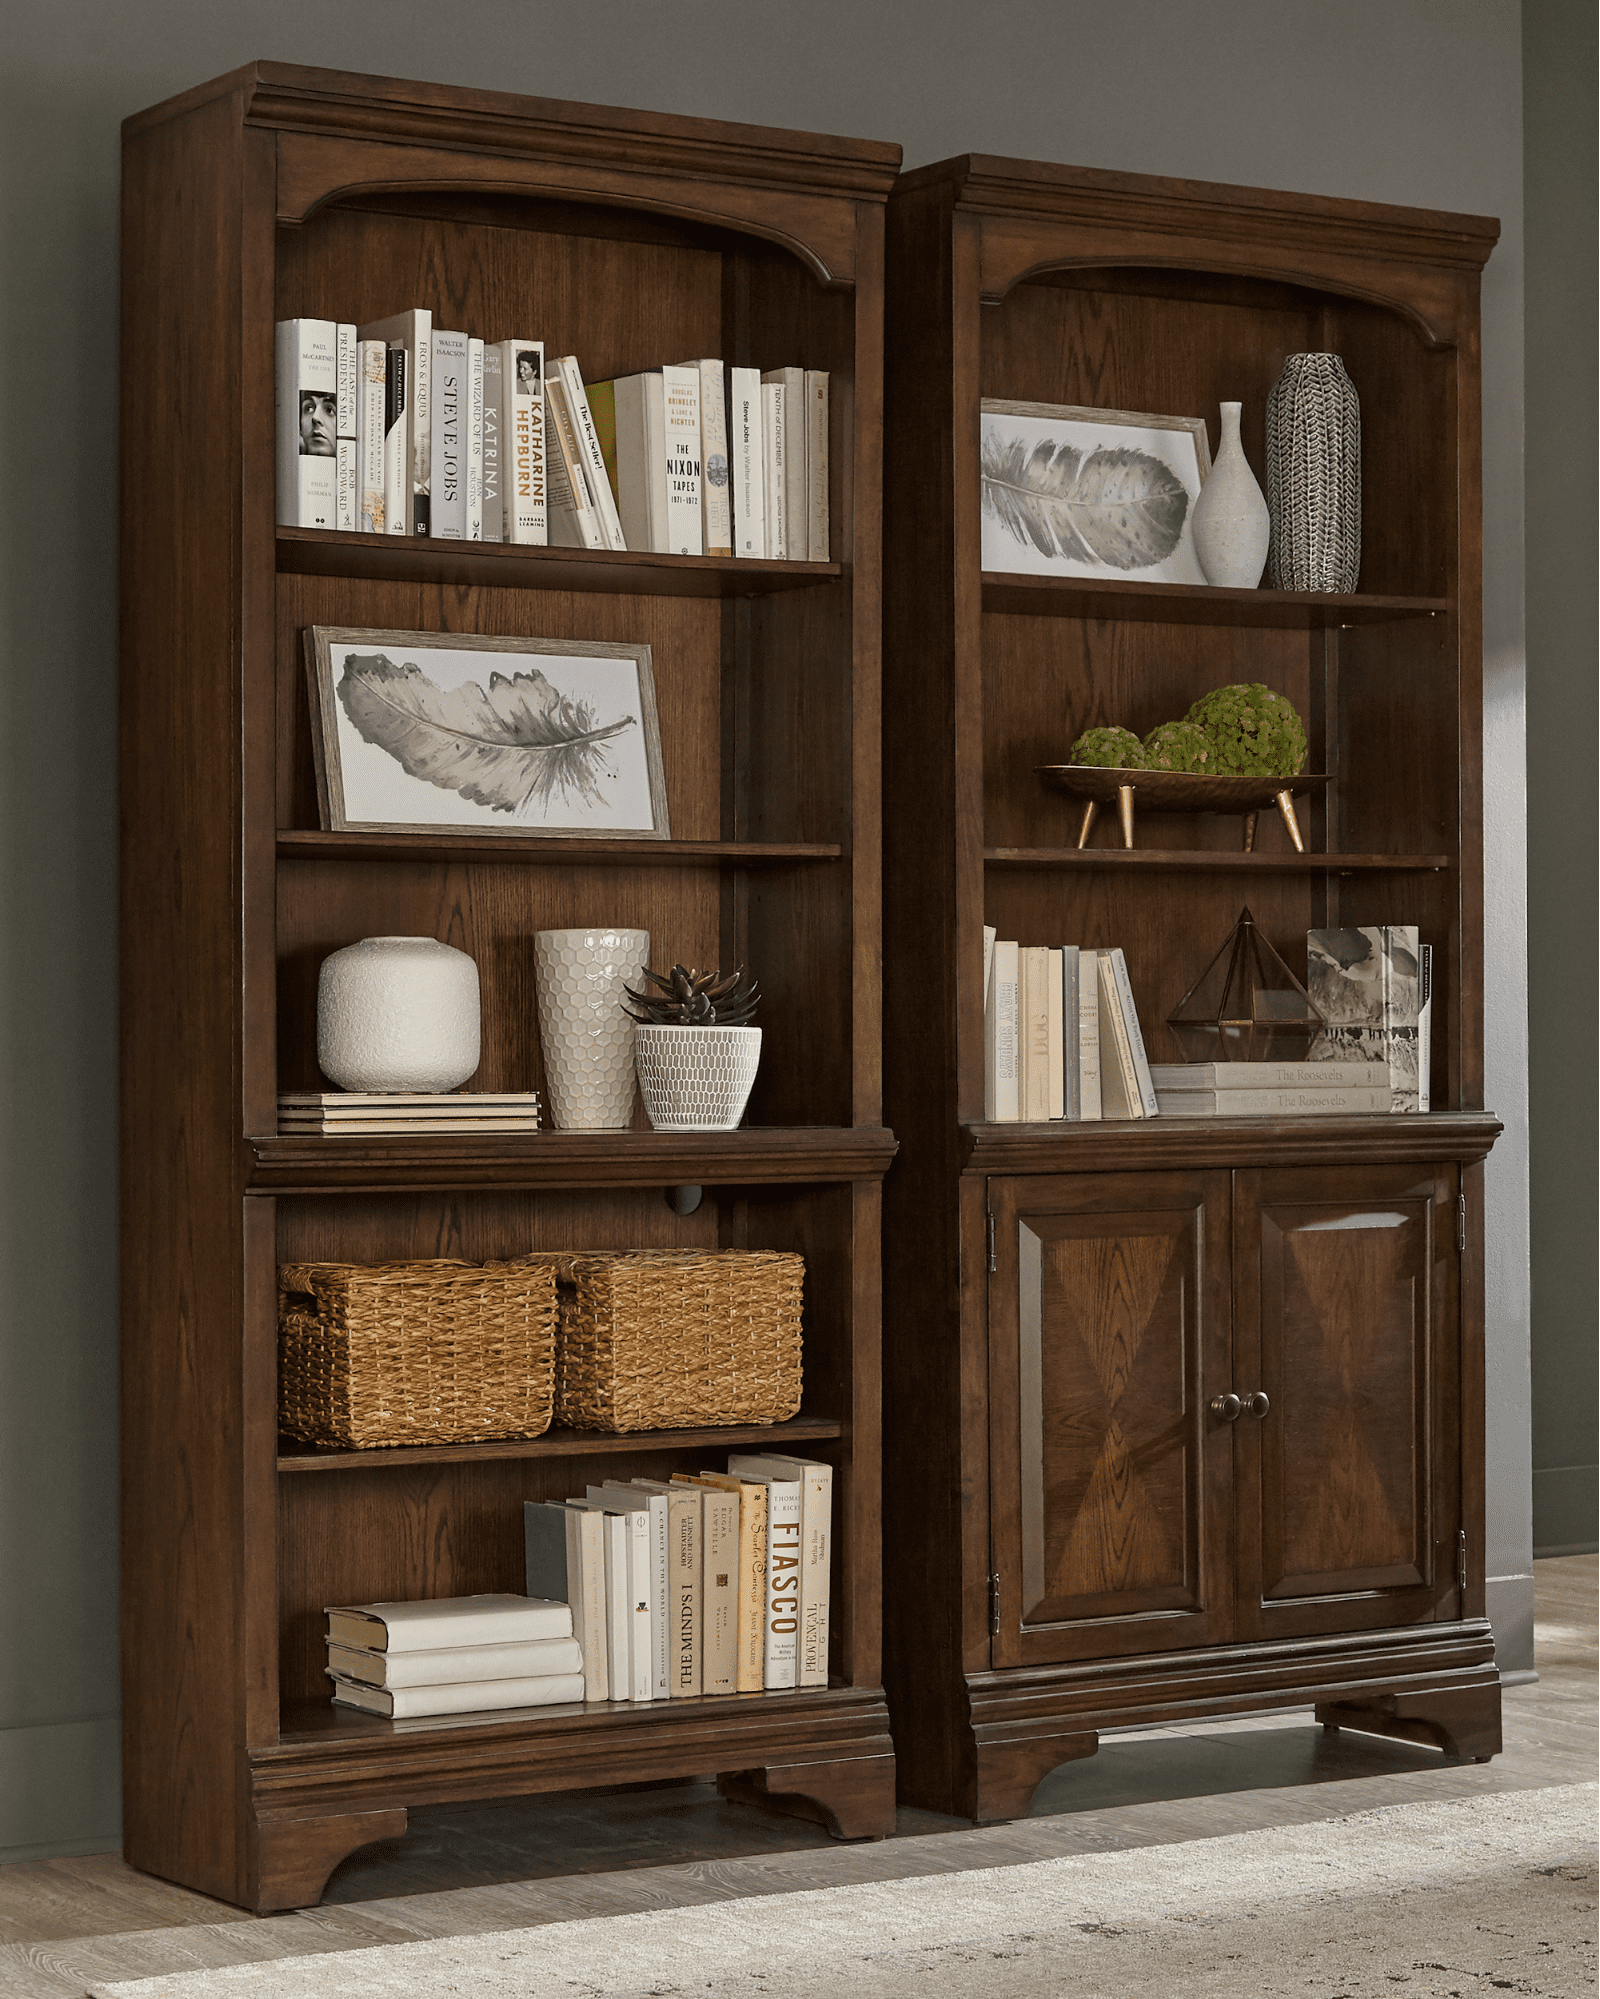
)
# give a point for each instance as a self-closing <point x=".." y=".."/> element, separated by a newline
<point x="1510" y="1609"/>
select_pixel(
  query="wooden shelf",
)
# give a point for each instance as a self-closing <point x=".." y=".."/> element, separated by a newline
<point x="319" y="1724"/>
<point x="1212" y="860"/>
<point x="306" y="846"/>
<point x="1196" y="604"/>
<point x="1148" y="1144"/>
<point x="298" y="1457"/>
<point x="554" y="1159"/>
<point x="412" y="559"/>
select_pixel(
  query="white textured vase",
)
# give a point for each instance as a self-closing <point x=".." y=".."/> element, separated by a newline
<point x="584" y="1029"/>
<point x="696" y="1078"/>
<point x="1231" y="524"/>
<point x="398" y="1013"/>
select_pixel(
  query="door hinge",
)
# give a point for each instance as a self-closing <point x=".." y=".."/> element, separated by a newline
<point x="1461" y="1223"/>
<point x="994" y="1604"/>
<point x="990" y="1219"/>
<point x="1461" y="1560"/>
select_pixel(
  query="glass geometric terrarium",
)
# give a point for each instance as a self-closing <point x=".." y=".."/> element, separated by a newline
<point x="1246" y="1006"/>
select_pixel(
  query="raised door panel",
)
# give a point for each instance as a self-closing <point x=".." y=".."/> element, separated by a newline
<point x="1108" y="1332"/>
<point x="1346" y="1317"/>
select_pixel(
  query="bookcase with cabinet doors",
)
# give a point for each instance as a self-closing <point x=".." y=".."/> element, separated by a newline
<point x="630" y="240"/>
<point x="1188" y="1412"/>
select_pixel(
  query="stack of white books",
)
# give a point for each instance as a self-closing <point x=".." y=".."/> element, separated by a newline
<point x="1270" y="1089"/>
<point x="452" y="1655"/>
<point x="710" y="1583"/>
<point x="373" y="1114"/>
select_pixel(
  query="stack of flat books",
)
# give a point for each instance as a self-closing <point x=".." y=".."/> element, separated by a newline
<point x="710" y="1583"/>
<point x="375" y="1114"/>
<point x="1270" y="1089"/>
<point x="452" y="1655"/>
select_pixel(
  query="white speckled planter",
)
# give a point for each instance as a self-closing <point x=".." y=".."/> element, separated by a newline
<point x="696" y="1078"/>
<point x="398" y="1013"/>
<point x="584" y="1029"/>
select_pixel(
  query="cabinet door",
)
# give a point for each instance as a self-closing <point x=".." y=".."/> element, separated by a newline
<point x="1108" y="1331"/>
<point x="1346" y="1317"/>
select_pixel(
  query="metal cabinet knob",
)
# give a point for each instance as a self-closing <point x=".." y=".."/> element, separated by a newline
<point x="1257" y="1404"/>
<point x="1228" y="1407"/>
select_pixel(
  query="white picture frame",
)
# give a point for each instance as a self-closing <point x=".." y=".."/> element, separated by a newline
<point x="1104" y="494"/>
<point x="450" y="732"/>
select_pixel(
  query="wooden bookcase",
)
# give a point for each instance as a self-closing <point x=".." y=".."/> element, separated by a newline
<point x="630" y="240"/>
<point x="1079" y="1542"/>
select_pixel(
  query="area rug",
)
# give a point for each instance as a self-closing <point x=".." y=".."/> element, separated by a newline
<point x="1495" y="1893"/>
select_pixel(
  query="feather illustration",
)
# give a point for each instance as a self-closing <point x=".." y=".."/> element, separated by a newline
<point x="516" y="745"/>
<point x="1112" y="506"/>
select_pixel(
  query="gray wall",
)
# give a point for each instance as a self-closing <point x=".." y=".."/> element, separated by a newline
<point x="1391" y="100"/>
<point x="1558" y="48"/>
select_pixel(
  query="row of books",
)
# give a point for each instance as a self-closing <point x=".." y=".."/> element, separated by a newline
<point x="715" y="1583"/>
<point x="1061" y="1035"/>
<point x="712" y="1582"/>
<point x="399" y="427"/>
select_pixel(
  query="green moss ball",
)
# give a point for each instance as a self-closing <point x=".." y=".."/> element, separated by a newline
<point x="1108" y="749"/>
<point x="1179" y="746"/>
<point x="1254" y="732"/>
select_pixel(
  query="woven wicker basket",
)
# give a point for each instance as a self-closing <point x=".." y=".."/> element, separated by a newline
<point x="415" y="1353"/>
<point x="677" y="1339"/>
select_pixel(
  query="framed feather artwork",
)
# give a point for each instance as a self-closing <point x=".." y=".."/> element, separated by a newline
<point x="1081" y="492"/>
<point x="444" y="732"/>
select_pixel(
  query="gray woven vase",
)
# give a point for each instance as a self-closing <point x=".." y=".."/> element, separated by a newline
<point x="1314" y="476"/>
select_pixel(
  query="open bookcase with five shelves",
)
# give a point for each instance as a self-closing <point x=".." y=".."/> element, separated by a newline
<point x="1084" y="1542"/>
<point x="629" y="240"/>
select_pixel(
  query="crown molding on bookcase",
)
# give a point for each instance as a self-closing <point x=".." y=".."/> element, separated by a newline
<point x="1415" y="260"/>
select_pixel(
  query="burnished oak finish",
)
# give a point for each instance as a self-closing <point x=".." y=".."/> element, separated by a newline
<point x="630" y="240"/>
<point x="1077" y="1540"/>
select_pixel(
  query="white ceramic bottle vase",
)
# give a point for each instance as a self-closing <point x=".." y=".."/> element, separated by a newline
<point x="584" y="1030"/>
<point x="398" y="1013"/>
<point x="1231" y="523"/>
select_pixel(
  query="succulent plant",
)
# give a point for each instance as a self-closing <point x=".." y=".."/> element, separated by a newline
<point x="1180" y="746"/>
<point x="1108" y="749"/>
<point x="694" y="999"/>
<point x="1254" y="732"/>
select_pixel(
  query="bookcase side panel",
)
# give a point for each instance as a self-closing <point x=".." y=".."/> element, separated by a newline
<point x="185" y="1652"/>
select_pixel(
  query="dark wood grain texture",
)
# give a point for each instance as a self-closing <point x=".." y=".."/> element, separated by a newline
<point x="632" y="240"/>
<point x="1325" y="1553"/>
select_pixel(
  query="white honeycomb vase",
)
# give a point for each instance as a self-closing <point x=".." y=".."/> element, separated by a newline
<point x="398" y="1013"/>
<point x="584" y="1029"/>
<point x="696" y="1078"/>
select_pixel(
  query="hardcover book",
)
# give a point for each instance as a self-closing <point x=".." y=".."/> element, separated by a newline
<point x="473" y="1697"/>
<point x="587" y="444"/>
<point x="653" y="1497"/>
<point x="455" y="1664"/>
<point x="816" y="1555"/>
<point x="1090" y="1105"/>
<point x="775" y="468"/>
<point x="750" y="1610"/>
<point x="308" y="423"/>
<point x="474" y="440"/>
<point x="1364" y="983"/>
<point x="716" y="503"/>
<point x="816" y="397"/>
<point x="396" y="480"/>
<point x="413" y="331"/>
<point x="493" y="488"/>
<point x="525" y="443"/>
<point x="781" y="1647"/>
<point x="1000" y="1100"/>
<point x="573" y="516"/>
<point x="371" y="430"/>
<point x="450" y="408"/>
<point x="796" y="485"/>
<point x="564" y="1559"/>
<point x="432" y="1622"/>
<point x="658" y="460"/>
<point x="747" y="463"/>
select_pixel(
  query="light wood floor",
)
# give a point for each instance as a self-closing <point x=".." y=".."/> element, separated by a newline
<point x="463" y="1870"/>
